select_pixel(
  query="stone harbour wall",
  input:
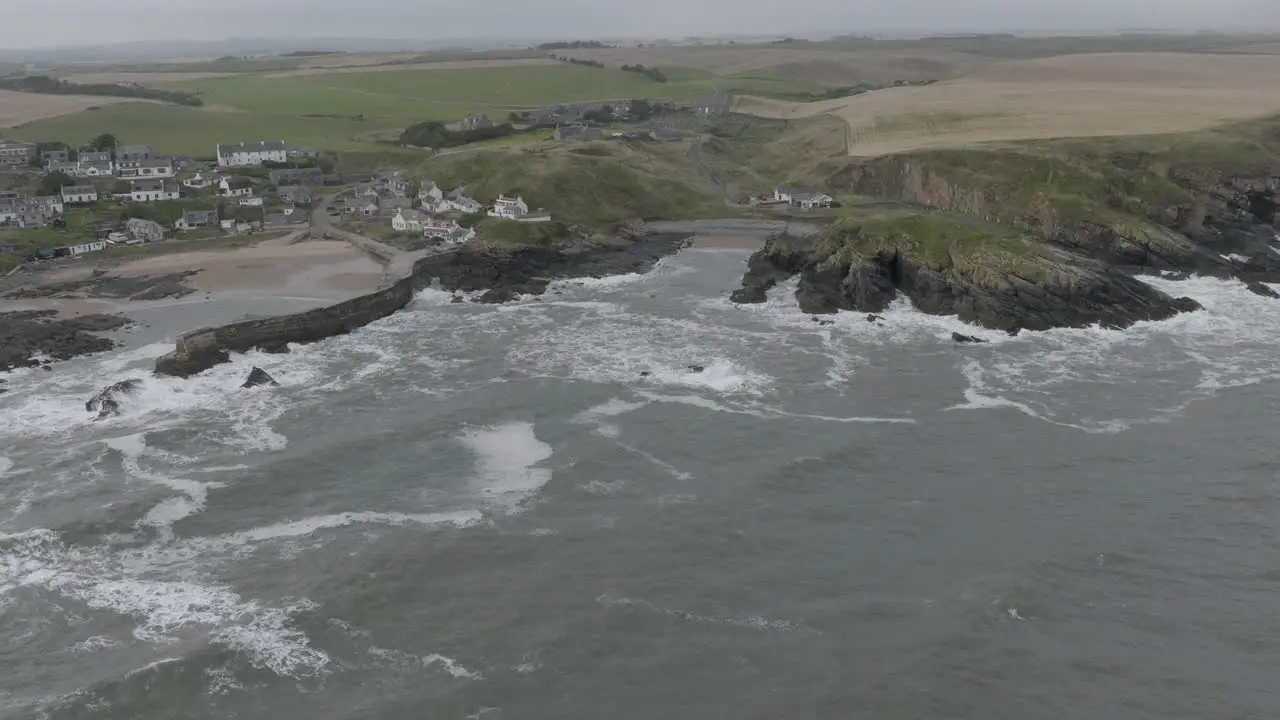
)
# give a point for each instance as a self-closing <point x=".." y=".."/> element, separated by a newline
<point x="199" y="350"/>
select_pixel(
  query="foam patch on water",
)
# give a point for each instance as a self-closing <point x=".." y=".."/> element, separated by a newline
<point x="192" y="498"/>
<point x="506" y="456"/>
<point x="450" y="666"/>
<point x="5" y="465"/>
<point x="307" y="526"/>
<point x="161" y="608"/>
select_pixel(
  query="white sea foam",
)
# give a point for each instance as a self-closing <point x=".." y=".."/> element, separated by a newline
<point x="505" y="459"/>
<point x="160" y="607"/>
<point x="450" y="666"/>
<point x="193" y="495"/>
<point x="5" y="465"/>
<point x="307" y="526"/>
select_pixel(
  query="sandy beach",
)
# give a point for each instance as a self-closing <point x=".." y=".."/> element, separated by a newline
<point x="311" y="272"/>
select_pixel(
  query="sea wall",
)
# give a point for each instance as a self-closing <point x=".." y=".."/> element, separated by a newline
<point x="199" y="350"/>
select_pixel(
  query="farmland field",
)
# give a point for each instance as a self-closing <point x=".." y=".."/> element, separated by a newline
<point x="195" y="131"/>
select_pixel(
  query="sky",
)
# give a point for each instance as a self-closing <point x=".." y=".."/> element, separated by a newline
<point x="96" y="22"/>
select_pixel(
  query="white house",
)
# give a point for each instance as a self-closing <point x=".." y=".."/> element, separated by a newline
<point x="197" y="182"/>
<point x="248" y="154"/>
<point x="430" y="193"/>
<point x="152" y="190"/>
<point x="509" y="208"/>
<point x="73" y="194"/>
<point x="447" y="230"/>
<point x="802" y="198"/>
<point x="251" y="201"/>
<point x="87" y="247"/>
<point x="146" y="168"/>
<point x="407" y="221"/>
<point x="235" y="187"/>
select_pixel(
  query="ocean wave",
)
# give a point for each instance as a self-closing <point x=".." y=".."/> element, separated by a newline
<point x="506" y="456"/>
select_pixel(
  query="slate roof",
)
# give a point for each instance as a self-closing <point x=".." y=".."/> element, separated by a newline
<point x="229" y="149"/>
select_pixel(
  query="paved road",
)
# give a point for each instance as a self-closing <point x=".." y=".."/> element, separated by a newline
<point x="396" y="263"/>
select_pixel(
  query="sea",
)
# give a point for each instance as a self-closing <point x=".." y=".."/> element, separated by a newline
<point x="631" y="499"/>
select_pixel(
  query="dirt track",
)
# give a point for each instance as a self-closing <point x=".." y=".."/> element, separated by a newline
<point x="1067" y="96"/>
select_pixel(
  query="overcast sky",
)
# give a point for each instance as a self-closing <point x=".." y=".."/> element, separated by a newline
<point x="45" y="23"/>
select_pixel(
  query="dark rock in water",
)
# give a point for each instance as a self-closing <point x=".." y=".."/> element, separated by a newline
<point x="874" y="318"/>
<point x="1014" y="332"/>
<point x="966" y="338"/>
<point x="29" y="333"/>
<point x="1186" y="304"/>
<point x="1171" y="275"/>
<point x="107" y="402"/>
<point x="456" y="299"/>
<point x="645" y="373"/>
<point x="258" y="376"/>
<point x="697" y="368"/>
<point x="498" y="295"/>
<point x="275" y="348"/>
<point x="826" y="322"/>
<point x="1258" y="288"/>
<point x="46" y="368"/>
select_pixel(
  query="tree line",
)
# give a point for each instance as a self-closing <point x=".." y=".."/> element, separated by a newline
<point x="652" y="73"/>
<point x="45" y="85"/>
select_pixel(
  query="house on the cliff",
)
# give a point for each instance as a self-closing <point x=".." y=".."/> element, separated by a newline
<point x="802" y="199"/>
<point x="448" y="231"/>
<point x="197" y="219"/>
<point x="408" y="221"/>
<point x="458" y="200"/>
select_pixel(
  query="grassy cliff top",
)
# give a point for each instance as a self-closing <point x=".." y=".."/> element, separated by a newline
<point x="936" y="240"/>
<point x="593" y="185"/>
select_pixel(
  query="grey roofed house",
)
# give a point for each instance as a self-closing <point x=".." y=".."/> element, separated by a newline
<point x="52" y="156"/>
<point x="712" y="104"/>
<point x="134" y="152"/>
<point x="61" y="166"/>
<point x="147" y="186"/>
<point x="299" y="194"/>
<point x="288" y="217"/>
<point x="296" y="176"/>
<point x="93" y="158"/>
<point x="395" y="203"/>
<point x="200" y="218"/>
<point x="238" y="182"/>
<point x="78" y="190"/>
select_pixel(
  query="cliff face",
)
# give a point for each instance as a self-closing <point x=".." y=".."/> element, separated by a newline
<point x="1130" y="212"/>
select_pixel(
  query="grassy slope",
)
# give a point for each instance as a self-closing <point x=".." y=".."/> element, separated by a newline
<point x="753" y="155"/>
<point x="939" y="241"/>
<point x="592" y="185"/>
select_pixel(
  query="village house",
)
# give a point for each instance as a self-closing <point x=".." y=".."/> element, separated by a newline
<point x="79" y="194"/>
<point x="198" y="182"/>
<point x="408" y="221"/>
<point x="577" y="133"/>
<point x="368" y="206"/>
<point x="447" y="230"/>
<point x="296" y="176"/>
<point x="476" y="122"/>
<point x="196" y="219"/>
<point x="49" y="157"/>
<point x="152" y="191"/>
<point x="430" y="193"/>
<point x="365" y="190"/>
<point x="802" y="198"/>
<point x="248" y="154"/>
<point x="16" y="154"/>
<point x="509" y="208"/>
<point x="391" y="204"/>
<point x="250" y="201"/>
<point x="146" y="168"/>
<point x="394" y="184"/>
<point x="129" y="153"/>
<point x="52" y="203"/>
<point x="96" y="164"/>
<point x="295" y="194"/>
<point x="300" y="153"/>
<point x="458" y="200"/>
<point x="235" y="187"/>
<point x="139" y="230"/>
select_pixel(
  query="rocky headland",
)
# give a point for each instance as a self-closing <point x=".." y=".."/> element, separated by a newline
<point x="27" y="335"/>
<point x="1039" y="237"/>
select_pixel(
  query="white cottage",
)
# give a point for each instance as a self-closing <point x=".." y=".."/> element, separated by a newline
<point x="249" y="154"/>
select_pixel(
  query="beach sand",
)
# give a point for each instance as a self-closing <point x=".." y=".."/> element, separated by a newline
<point x="310" y="274"/>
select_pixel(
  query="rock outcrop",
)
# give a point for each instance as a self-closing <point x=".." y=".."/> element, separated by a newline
<point x="27" y="334"/>
<point x="107" y="402"/>
<point x="258" y="376"/>
<point x="1004" y="283"/>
